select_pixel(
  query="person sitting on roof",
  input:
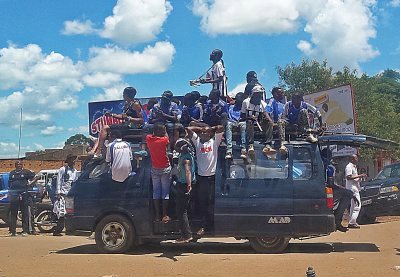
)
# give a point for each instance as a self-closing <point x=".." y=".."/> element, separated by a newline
<point x="295" y="116"/>
<point x="216" y="109"/>
<point x="132" y="116"/>
<point x="190" y="111"/>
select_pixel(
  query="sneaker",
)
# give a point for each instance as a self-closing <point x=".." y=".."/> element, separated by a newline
<point x="24" y="234"/>
<point x="268" y="150"/>
<point x="183" y="240"/>
<point x="341" y="228"/>
<point x="12" y="234"/>
<point x="228" y="155"/>
<point x="34" y="233"/>
<point x="353" y="226"/>
<point x="243" y="154"/>
<point x="283" y="150"/>
<point x="311" y="138"/>
<point x="251" y="150"/>
<point x="200" y="232"/>
<point x="166" y="219"/>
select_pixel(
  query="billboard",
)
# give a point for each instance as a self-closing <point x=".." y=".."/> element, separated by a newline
<point x="337" y="108"/>
<point x="338" y="112"/>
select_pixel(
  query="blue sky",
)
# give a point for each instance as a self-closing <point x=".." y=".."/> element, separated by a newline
<point x="56" y="56"/>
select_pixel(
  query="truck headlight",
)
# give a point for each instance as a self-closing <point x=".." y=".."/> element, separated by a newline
<point x="389" y="189"/>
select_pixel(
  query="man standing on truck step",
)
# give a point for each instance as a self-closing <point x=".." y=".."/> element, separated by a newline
<point x="66" y="175"/>
<point x="353" y="180"/>
<point x="206" y="141"/>
<point x="160" y="170"/>
<point x="119" y="155"/>
<point x="20" y="181"/>
<point x="185" y="178"/>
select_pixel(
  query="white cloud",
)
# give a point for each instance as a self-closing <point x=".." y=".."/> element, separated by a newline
<point x="340" y="29"/>
<point x="136" y="21"/>
<point x="153" y="59"/>
<point x="101" y="79"/>
<point x="246" y="17"/>
<point x="237" y="89"/>
<point x="395" y="3"/>
<point x="340" y="33"/>
<point x="51" y="130"/>
<point x="79" y="130"/>
<point x="9" y="150"/>
<point x="112" y="93"/>
<point x="76" y="27"/>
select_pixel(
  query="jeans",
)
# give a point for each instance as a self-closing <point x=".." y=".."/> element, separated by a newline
<point x="161" y="182"/>
<point x="228" y="134"/>
<point x="182" y="202"/>
<point x="205" y="189"/>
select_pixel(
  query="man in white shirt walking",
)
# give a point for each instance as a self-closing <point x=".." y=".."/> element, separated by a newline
<point x="353" y="180"/>
<point x="119" y="155"/>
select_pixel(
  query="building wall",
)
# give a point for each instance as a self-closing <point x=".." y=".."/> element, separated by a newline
<point x="34" y="165"/>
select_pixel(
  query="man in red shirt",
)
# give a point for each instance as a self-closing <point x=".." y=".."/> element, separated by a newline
<point x="161" y="169"/>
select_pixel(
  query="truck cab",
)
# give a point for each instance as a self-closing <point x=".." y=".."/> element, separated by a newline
<point x="267" y="200"/>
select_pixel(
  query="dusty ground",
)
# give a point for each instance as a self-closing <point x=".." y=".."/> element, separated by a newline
<point x="374" y="250"/>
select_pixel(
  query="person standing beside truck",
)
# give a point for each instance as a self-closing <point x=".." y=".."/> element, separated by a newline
<point x="66" y="175"/>
<point x="20" y="181"/>
<point x="353" y="180"/>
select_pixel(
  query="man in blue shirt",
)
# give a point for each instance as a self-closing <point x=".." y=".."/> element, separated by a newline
<point x="216" y="109"/>
<point x="190" y="111"/>
<point x="275" y="108"/>
<point x="233" y="121"/>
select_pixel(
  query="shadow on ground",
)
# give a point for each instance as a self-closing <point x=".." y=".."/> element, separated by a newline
<point x="171" y="250"/>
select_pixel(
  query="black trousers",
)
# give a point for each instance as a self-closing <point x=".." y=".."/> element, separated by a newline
<point x="60" y="225"/>
<point x="344" y="197"/>
<point x="205" y="190"/>
<point x="24" y="202"/>
<point x="182" y="203"/>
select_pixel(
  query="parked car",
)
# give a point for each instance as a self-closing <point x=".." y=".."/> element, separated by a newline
<point x="381" y="195"/>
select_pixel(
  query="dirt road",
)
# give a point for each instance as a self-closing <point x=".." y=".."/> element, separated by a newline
<point x="374" y="250"/>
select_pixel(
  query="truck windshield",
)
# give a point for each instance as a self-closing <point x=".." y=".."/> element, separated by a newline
<point x="389" y="172"/>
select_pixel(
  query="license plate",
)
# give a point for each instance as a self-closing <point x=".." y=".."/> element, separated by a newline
<point x="366" y="202"/>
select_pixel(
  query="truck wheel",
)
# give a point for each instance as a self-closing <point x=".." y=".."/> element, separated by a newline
<point x="269" y="245"/>
<point x="114" y="234"/>
<point x="365" y="218"/>
<point x="45" y="222"/>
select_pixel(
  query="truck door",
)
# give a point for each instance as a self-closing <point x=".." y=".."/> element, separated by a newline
<point x="254" y="197"/>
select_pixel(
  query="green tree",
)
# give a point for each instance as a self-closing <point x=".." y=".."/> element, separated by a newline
<point x="77" y="139"/>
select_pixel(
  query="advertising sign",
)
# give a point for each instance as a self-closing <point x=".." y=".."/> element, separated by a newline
<point x="337" y="108"/>
<point x="338" y="112"/>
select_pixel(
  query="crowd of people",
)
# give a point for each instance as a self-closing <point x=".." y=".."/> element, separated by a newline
<point x="193" y="134"/>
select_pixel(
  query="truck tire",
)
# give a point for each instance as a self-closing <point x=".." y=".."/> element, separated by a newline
<point x="114" y="234"/>
<point x="269" y="245"/>
<point x="365" y="218"/>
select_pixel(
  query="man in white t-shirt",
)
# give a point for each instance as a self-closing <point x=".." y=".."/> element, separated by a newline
<point x="206" y="141"/>
<point x="119" y="155"/>
<point x="254" y="112"/>
<point x="353" y="180"/>
<point x="216" y="76"/>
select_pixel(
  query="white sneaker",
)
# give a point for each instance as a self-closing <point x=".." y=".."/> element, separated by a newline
<point x="268" y="150"/>
<point x="311" y="138"/>
<point x="283" y="150"/>
<point x="243" y="154"/>
<point x="228" y="155"/>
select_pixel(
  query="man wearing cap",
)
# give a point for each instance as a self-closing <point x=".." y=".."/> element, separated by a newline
<point x="132" y="115"/>
<point x="254" y="112"/>
<point x="66" y="175"/>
